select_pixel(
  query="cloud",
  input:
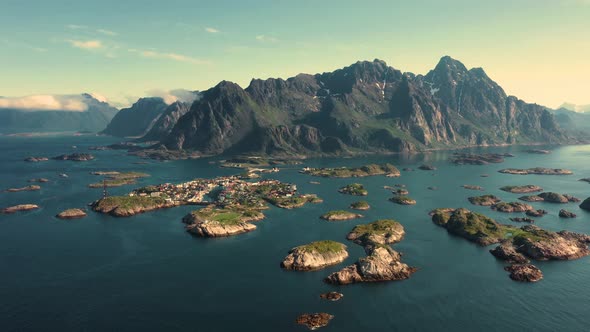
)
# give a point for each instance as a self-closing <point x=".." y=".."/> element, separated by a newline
<point x="107" y="32"/>
<point x="212" y="30"/>
<point x="174" y="95"/>
<point x="86" y="44"/>
<point x="98" y="97"/>
<point x="76" y="27"/>
<point x="266" y="39"/>
<point x="73" y="103"/>
<point x="170" y="56"/>
<point x="24" y="45"/>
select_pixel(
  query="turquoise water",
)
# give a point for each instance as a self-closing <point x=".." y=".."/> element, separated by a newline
<point x="146" y="273"/>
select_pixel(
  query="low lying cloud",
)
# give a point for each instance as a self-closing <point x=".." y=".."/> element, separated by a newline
<point x="170" y="56"/>
<point x="98" y="97"/>
<point x="266" y="39"/>
<point x="73" y="103"/>
<point x="107" y="32"/>
<point x="86" y="44"/>
<point x="212" y="30"/>
<point x="174" y="95"/>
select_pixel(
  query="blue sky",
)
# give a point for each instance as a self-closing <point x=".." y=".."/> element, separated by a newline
<point x="537" y="50"/>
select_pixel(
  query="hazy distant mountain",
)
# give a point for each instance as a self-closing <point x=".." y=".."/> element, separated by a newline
<point x="577" y="123"/>
<point x="152" y="117"/>
<point x="71" y="113"/>
<point x="575" y="108"/>
<point x="365" y="107"/>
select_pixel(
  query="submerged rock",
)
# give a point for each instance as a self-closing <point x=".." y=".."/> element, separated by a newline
<point x="39" y="180"/>
<point x="36" y="159"/>
<point x="314" y="321"/>
<point x="315" y="256"/>
<point x="472" y="187"/>
<point x="426" y="167"/>
<point x="27" y="188"/>
<point x="525" y="219"/>
<point x="524" y="272"/>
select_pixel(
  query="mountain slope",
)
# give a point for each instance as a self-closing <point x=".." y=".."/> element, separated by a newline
<point x="94" y="119"/>
<point x="166" y="121"/>
<point x="365" y="107"/>
<point x="137" y="119"/>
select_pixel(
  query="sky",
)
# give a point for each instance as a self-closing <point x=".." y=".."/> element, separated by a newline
<point x="537" y="50"/>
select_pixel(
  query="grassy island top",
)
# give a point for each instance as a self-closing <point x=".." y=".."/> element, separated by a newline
<point x="128" y="202"/>
<point x="356" y="189"/>
<point x="348" y="172"/>
<point x="229" y="215"/>
<point x="360" y="205"/>
<point x="116" y="179"/>
<point x="337" y="213"/>
<point x="378" y="227"/>
<point x="322" y="247"/>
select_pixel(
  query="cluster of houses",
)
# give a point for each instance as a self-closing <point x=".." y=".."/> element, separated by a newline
<point x="223" y="190"/>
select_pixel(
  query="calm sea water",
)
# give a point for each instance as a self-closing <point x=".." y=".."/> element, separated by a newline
<point x="146" y="273"/>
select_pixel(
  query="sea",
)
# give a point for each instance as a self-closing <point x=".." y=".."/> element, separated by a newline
<point x="146" y="273"/>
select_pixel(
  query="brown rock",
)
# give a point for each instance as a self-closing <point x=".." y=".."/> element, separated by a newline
<point x="71" y="214"/>
<point x="314" y="321"/>
<point x="20" y="207"/>
<point x="331" y="296"/>
<point x="524" y="272"/>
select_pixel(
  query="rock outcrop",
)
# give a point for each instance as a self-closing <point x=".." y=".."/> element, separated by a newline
<point x="537" y="170"/>
<point x="20" y="207"/>
<point x="566" y="214"/>
<point x="75" y="157"/>
<point x="217" y="222"/>
<point x="27" y="188"/>
<point x="511" y="207"/>
<point x="315" y="256"/>
<point x="340" y="215"/>
<point x="524" y="272"/>
<point x="314" y="321"/>
<point x="485" y="200"/>
<point x="522" y="189"/>
<point x="71" y="214"/>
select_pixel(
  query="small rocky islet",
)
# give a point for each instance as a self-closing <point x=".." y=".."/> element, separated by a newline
<point x="19" y="208"/>
<point x="71" y="214"/>
<point x="402" y="200"/>
<point x="354" y="189"/>
<point x="332" y="296"/>
<point x="551" y="197"/>
<point x="537" y="171"/>
<point x="484" y="200"/>
<point x="509" y="207"/>
<point x="360" y="205"/>
<point x="472" y="187"/>
<point x="27" y="188"/>
<point x="529" y="188"/>
<point x="116" y="179"/>
<point x="478" y="159"/>
<point x="339" y="215"/>
<point x="350" y="172"/>
<point x="314" y="321"/>
<point x="221" y="222"/>
<point x="315" y="256"/>
<point x="75" y="157"/>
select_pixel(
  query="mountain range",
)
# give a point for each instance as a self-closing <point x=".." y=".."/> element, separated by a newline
<point x="92" y="117"/>
<point x="365" y="107"/>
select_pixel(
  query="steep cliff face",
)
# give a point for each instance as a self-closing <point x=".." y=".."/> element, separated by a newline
<point x="138" y="119"/>
<point x="365" y="107"/>
<point x="166" y="122"/>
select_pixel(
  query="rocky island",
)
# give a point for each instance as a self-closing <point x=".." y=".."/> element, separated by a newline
<point x="27" y="188"/>
<point x="402" y="200"/>
<point x="472" y="187"/>
<point x="521" y="189"/>
<point x="524" y="272"/>
<point x="382" y="262"/>
<point x="339" y="215"/>
<point x="71" y="214"/>
<point x="36" y="159"/>
<point x="537" y="170"/>
<point x="39" y="180"/>
<point x="355" y="189"/>
<point x="75" y="157"/>
<point x="20" y="207"/>
<point x="536" y="213"/>
<point x="510" y="207"/>
<point x="314" y="321"/>
<point x="426" y="167"/>
<point x="566" y="214"/>
<point x="315" y="256"/>
<point x="117" y="179"/>
<point x="478" y="159"/>
<point x="220" y="222"/>
<point x="485" y="200"/>
<point x="331" y="296"/>
<point x="360" y="205"/>
<point x="347" y="172"/>
<point x="550" y="197"/>
<point x="585" y="204"/>
<point x="127" y="206"/>
<point x="538" y="151"/>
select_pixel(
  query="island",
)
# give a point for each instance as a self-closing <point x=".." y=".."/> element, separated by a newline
<point x="221" y="191"/>
<point x="36" y="159"/>
<point x="331" y="296"/>
<point x="478" y="159"/>
<point x="355" y="189"/>
<point x="347" y="172"/>
<point x="402" y="200"/>
<point x="517" y="245"/>
<point x="314" y="321"/>
<point x="117" y="179"/>
<point x="485" y="200"/>
<point x="315" y="256"/>
<point x="566" y="214"/>
<point x="524" y="272"/>
<point x="254" y="161"/>
<point x="522" y="189"/>
<point x="521" y="219"/>
<point x="39" y="180"/>
<point x="339" y="215"/>
<point x="382" y="263"/>
<point x="213" y="221"/>
<point x="27" y="188"/>
<point x="536" y="213"/>
<point x="360" y="205"/>
<point x="550" y="197"/>
<point x="20" y="207"/>
<point x="587" y="180"/>
<point x="75" y="157"/>
<point x="472" y="187"/>
<point x="537" y="170"/>
<point x="510" y="207"/>
<point x="401" y="191"/>
<point x="585" y="204"/>
<point x="71" y="214"/>
<point x="538" y="151"/>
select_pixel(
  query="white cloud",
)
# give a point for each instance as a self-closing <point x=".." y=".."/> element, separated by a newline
<point x="266" y="39"/>
<point x="72" y="103"/>
<point x="86" y="44"/>
<point x="98" y="97"/>
<point x="107" y="32"/>
<point x="170" y="56"/>
<point x="174" y="95"/>
<point x="212" y="30"/>
<point x="76" y="27"/>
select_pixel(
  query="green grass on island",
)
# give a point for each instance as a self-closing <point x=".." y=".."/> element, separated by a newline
<point x="323" y="247"/>
<point x="116" y="179"/>
<point x="231" y="215"/>
<point x="355" y="189"/>
<point x="378" y="227"/>
<point x="335" y="213"/>
<point x="127" y="202"/>
<point x="360" y="205"/>
<point x="348" y="172"/>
